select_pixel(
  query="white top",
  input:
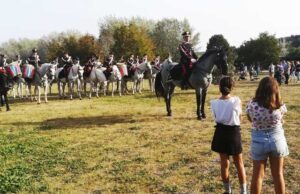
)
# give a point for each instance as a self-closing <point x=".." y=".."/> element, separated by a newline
<point x="227" y="111"/>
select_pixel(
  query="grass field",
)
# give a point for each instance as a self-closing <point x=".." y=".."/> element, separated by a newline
<point x="127" y="145"/>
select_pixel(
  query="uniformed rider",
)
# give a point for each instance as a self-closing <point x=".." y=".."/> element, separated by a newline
<point x="188" y="57"/>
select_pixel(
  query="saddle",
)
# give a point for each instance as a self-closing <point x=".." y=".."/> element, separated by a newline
<point x="87" y="70"/>
<point x="176" y="72"/>
<point x="64" y="72"/>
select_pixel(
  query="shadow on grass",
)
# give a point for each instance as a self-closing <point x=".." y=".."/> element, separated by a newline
<point x="85" y="122"/>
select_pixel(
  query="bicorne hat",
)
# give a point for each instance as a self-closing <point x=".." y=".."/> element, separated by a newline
<point x="186" y="33"/>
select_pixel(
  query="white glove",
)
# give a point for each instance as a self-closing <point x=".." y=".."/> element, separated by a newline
<point x="193" y="60"/>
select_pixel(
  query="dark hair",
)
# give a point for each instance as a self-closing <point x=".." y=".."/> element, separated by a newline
<point x="226" y="84"/>
<point x="267" y="94"/>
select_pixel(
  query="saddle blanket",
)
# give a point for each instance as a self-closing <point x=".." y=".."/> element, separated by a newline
<point x="123" y="69"/>
<point x="28" y="71"/>
<point x="14" y="70"/>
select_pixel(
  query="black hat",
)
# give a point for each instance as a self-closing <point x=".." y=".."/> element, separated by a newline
<point x="34" y="50"/>
<point x="186" y="33"/>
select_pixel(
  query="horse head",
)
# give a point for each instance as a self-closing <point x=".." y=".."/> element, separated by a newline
<point x="80" y="72"/>
<point x="215" y="56"/>
<point x="221" y="61"/>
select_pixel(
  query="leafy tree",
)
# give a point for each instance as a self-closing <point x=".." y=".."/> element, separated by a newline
<point x="132" y="39"/>
<point x="166" y="36"/>
<point x="263" y="50"/>
<point x="293" y="54"/>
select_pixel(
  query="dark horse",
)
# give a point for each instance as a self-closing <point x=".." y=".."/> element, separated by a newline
<point x="200" y="79"/>
<point x="4" y="87"/>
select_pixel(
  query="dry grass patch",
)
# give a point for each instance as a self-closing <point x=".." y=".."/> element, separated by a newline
<point x="126" y="145"/>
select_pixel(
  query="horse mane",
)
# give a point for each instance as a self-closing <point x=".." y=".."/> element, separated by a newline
<point x="208" y="53"/>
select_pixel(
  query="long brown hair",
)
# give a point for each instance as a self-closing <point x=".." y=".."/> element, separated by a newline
<point x="267" y="94"/>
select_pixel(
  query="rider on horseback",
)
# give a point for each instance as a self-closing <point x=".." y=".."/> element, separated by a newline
<point x="130" y="65"/>
<point x="188" y="57"/>
<point x="108" y="63"/>
<point x="34" y="58"/>
<point x="2" y="61"/>
<point x="68" y="63"/>
<point x="156" y="62"/>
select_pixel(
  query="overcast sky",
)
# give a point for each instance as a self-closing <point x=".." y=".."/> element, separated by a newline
<point x="237" y="20"/>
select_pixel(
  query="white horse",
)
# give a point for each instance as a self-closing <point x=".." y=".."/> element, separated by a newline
<point x="115" y="77"/>
<point x="151" y="75"/>
<point x="74" y="76"/>
<point x="17" y="87"/>
<point x="39" y="80"/>
<point x="96" y="76"/>
<point x="137" y="77"/>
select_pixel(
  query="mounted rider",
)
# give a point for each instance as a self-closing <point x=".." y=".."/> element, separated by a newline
<point x="93" y="62"/>
<point x="145" y="58"/>
<point x="130" y="65"/>
<point x="2" y="64"/>
<point x="18" y="59"/>
<point x="108" y="63"/>
<point x="34" y="58"/>
<point x="67" y="64"/>
<point x="156" y="62"/>
<point x="188" y="57"/>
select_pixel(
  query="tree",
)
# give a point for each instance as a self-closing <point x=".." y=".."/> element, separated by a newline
<point x="263" y="50"/>
<point x="293" y="54"/>
<point x="166" y="36"/>
<point x="218" y="41"/>
<point x="132" y="39"/>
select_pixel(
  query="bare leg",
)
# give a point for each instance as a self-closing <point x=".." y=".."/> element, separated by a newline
<point x="277" y="174"/>
<point x="257" y="176"/>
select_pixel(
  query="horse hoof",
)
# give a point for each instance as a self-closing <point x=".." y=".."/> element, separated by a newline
<point x="8" y="109"/>
<point x="169" y="114"/>
<point x="199" y="118"/>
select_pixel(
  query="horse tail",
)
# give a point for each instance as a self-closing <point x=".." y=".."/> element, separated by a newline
<point x="159" y="89"/>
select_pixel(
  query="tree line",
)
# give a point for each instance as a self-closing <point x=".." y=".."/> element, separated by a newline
<point x="140" y="36"/>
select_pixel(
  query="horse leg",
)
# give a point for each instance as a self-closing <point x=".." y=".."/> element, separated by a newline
<point x="91" y="89"/>
<point x="70" y="86"/>
<point x="1" y="99"/>
<point x="120" y="87"/>
<point x="6" y="101"/>
<point x="204" y="92"/>
<point x="79" y="88"/>
<point x="199" y="100"/>
<point x="97" y="90"/>
<point x="46" y="92"/>
<point x="133" y="86"/>
<point x="112" y="88"/>
<point x="168" y="97"/>
<point x="39" y="94"/>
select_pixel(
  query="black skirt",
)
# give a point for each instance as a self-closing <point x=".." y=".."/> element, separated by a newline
<point x="227" y="139"/>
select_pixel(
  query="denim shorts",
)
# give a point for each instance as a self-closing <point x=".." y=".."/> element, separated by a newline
<point x="268" y="143"/>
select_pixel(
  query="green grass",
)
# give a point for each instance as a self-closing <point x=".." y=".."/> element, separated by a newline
<point x="127" y="145"/>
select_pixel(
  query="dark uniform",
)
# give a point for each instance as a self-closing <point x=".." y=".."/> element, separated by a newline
<point x="156" y="61"/>
<point x="108" y="62"/>
<point x="187" y="54"/>
<point x="34" y="58"/>
<point x="130" y="65"/>
<point x="2" y="61"/>
<point x="67" y="64"/>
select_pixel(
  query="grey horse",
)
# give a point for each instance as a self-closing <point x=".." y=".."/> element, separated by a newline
<point x="200" y="79"/>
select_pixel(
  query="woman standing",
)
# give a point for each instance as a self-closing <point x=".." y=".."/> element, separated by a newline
<point x="266" y="111"/>
<point x="227" y="137"/>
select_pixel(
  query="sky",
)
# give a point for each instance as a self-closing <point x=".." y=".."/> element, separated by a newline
<point x="236" y="20"/>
